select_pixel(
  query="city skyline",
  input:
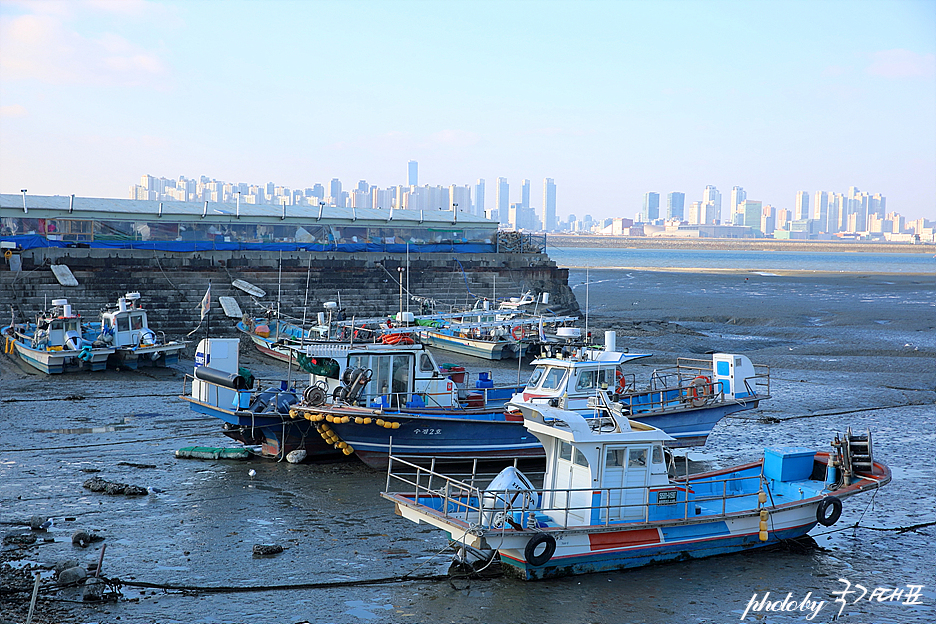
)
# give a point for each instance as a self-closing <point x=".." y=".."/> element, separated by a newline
<point x="93" y="93"/>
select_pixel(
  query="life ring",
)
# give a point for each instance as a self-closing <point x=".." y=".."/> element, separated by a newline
<point x="621" y="386"/>
<point x="7" y="254"/>
<point x="529" y="553"/>
<point x="517" y="332"/>
<point x="826" y="517"/>
<point x="699" y="389"/>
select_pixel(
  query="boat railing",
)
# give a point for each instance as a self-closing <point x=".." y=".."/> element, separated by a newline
<point x="668" y="392"/>
<point x="461" y="499"/>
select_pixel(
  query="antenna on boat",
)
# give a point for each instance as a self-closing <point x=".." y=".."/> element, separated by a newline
<point x="305" y="304"/>
<point x="279" y="292"/>
<point x="586" y="303"/>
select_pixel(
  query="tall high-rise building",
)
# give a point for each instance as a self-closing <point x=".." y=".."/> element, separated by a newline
<point x="675" y="205"/>
<point x="738" y="195"/>
<point x="479" y="198"/>
<point x="549" y="205"/>
<point x="334" y="192"/>
<point x="711" y="206"/>
<point x="525" y="194"/>
<point x="651" y="207"/>
<point x="412" y="173"/>
<point x="752" y="212"/>
<point x="820" y="211"/>
<point x="502" y="201"/>
<point x="460" y="196"/>
<point x="801" y="206"/>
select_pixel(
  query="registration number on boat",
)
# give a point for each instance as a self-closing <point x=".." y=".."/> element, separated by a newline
<point x="428" y="431"/>
<point x="666" y="498"/>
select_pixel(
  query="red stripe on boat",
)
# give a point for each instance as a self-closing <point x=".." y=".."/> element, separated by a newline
<point x="622" y="539"/>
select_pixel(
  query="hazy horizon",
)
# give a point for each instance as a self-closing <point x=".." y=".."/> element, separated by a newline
<point x="609" y="99"/>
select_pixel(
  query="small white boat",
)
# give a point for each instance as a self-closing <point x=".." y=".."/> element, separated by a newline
<point x="607" y="502"/>
<point x="125" y="327"/>
<point x="57" y="342"/>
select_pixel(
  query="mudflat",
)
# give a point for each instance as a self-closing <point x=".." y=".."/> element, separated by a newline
<point x="844" y="351"/>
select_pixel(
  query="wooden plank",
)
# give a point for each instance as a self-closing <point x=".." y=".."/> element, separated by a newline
<point x="230" y="306"/>
<point x="64" y="275"/>
<point x="248" y="288"/>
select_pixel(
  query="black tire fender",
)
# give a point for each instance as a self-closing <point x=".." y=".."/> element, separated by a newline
<point x="824" y="516"/>
<point x="529" y="553"/>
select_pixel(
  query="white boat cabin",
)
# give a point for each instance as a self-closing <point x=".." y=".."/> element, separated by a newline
<point x="600" y="467"/>
<point x="125" y="325"/>
<point x="575" y="373"/>
<point x="60" y="328"/>
<point x="402" y="375"/>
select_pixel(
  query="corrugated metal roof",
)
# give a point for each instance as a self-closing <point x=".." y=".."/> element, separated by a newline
<point x="56" y="206"/>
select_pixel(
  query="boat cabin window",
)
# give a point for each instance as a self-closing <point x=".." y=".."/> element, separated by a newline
<point x="657" y="454"/>
<point x="536" y="376"/>
<point x="72" y="326"/>
<point x="615" y="457"/>
<point x="596" y="378"/>
<point x="554" y="378"/>
<point x="123" y="323"/>
<point x="637" y="458"/>
<point x="425" y="363"/>
<point x="572" y="454"/>
<point x="391" y="374"/>
<point x="137" y="321"/>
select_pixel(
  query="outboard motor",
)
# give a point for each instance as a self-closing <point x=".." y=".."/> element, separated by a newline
<point x="509" y="491"/>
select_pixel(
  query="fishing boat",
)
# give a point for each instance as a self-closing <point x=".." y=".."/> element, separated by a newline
<point x="57" y="342"/>
<point x="686" y="400"/>
<point x="608" y="503"/>
<point x="125" y="327"/>
<point x="496" y="343"/>
<point x="370" y="398"/>
<point x="377" y="379"/>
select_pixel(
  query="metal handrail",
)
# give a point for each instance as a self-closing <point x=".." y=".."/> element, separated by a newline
<point x="458" y="494"/>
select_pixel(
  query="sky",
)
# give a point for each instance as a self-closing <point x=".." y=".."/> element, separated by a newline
<point x="610" y="99"/>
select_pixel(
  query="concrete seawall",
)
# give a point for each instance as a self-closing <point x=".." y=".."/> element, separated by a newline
<point x="173" y="284"/>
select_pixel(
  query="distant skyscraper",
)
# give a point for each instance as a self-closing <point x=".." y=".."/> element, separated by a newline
<point x="479" y="198"/>
<point x="738" y="195"/>
<point x="752" y="212"/>
<point x="675" y="205"/>
<point x="412" y="173"/>
<point x="549" y="205"/>
<point x="711" y="206"/>
<point x="820" y="211"/>
<point x="502" y="200"/>
<point x="801" y="207"/>
<point x="525" y="194"/>
<point x="651" y="207"/>
<point x="334" y="191"/>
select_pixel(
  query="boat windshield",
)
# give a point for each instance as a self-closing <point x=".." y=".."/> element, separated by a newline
<point x="554" y="378"/>
<point x="536" y="376"/>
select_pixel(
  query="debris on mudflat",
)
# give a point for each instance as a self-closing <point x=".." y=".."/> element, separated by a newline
<point x="97" y="484"/>
<point x="84" y="538"/>
<point x="19" y="539"/>
<point x="261" y="550"/>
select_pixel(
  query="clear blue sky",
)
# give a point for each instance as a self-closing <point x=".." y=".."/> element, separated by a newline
<point x="611" y="99"/>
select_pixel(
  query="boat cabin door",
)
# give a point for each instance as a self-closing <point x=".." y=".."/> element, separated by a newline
<point x="392" y="376"/>
<point x="572" y="498"/>
<point x="625" y="478"/>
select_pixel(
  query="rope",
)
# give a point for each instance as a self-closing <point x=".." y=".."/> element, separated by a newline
<point x="775" y="419"/>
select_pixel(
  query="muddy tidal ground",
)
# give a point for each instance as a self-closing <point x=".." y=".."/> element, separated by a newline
<point x="844" y="351"/>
